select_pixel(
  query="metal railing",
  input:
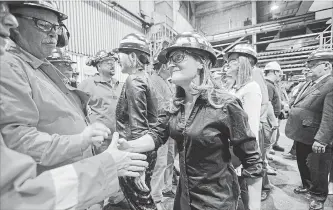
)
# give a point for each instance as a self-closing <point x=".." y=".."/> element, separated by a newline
<point x="159" y="34"/>
<point x="326" y="38"/>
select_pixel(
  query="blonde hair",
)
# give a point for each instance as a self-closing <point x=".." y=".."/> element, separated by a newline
<point x="207" y="89"/>
<point x="244" y="74"/>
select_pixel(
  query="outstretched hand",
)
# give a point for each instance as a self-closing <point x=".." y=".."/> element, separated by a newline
<point x="128" y="163"/>
<point x="140" y="182"/>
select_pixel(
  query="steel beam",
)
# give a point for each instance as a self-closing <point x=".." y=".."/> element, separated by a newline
<point x="287" y="39"/>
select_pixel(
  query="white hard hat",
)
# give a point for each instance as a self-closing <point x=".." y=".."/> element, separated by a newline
<point x="275" y="66"/>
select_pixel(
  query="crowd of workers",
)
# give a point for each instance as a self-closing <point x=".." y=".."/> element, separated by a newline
<point x="107" y="145"/>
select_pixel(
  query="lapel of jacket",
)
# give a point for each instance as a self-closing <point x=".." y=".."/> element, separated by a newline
<point x="301" y="91"/>
<point x="313" y="88"/>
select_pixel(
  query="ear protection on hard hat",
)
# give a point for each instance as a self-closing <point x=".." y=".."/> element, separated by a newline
<point x="63" y="39"/>
<point x="143" y="59"/>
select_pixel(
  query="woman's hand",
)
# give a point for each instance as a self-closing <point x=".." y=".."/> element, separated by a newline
<point x="140" y="182"/>
<point x="128" y="163"/>
<point x="124" y="145"/>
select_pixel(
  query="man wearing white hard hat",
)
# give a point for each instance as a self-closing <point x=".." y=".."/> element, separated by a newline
<point x="274" y="74"/>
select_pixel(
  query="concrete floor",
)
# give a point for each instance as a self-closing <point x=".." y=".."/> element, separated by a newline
<point x="282" y="196"/>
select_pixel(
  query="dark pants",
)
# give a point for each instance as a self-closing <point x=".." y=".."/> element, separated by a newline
<point x="293" y="149"/>
<point x="314" y="169"/>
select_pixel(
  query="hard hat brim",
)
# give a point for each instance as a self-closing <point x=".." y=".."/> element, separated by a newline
<point x="61" y="15"/>
<point x="67" y="61"/>
<point x="226" y="56"/>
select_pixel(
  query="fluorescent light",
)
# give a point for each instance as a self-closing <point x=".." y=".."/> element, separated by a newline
<point x="274" y="7"/>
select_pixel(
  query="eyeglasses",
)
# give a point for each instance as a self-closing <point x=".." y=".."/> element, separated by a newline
<point x="231" y="63"/>
<point x="110" y="62"/>
<point x="177" y="57"/>
<point x="313" y="65"/>
<point x="43" y="25"/>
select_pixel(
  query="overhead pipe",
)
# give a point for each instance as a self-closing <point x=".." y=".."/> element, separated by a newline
<point x="233" y="44"/>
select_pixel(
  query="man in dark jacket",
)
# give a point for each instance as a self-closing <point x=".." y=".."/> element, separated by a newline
<point x="309" y="125"/>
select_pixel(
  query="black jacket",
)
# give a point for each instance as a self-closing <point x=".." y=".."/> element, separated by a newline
<point x="208" y="180"/>
<point x="136" y="114"/>
<point x="136" y="110"/>
<point x="305" y="115"/>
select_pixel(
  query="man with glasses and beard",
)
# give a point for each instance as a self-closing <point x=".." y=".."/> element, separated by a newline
<point x="20" y="186"/>
<point x="41" y="115"/>
<point x="309" y="125"/>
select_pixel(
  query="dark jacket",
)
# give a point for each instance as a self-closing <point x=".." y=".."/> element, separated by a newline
<point x="305" y="116"/>
<point x="136" y="110"/>
<point x="208" y="180"/>
<point x="136" y="114"/>
<point x="274" y="97"/>
<point x="325" y="132"/>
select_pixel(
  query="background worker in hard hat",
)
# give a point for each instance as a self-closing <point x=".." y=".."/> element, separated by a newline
<point x="22" y="189"/>
<point x="203" y="125"/>
<point x="273" y="74"/>
<point x="63" y="62"/>
<point x="104" y="90"/>
<point x="309" y="126"/>
<point x="241" y="61"/>
<point x="163" y="171"/>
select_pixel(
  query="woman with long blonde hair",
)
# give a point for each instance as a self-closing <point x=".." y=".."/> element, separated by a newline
<point x="204" y="121"/>
<point x="241" y="60"/>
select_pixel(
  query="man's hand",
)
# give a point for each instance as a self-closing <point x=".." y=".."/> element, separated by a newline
<point x="128" y="163"/>
<point x="95" y="133"/>
<point x="140" y="182"/>
<point x="317" y="147"/>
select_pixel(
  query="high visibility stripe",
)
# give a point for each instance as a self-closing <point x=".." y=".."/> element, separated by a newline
<point x="66" y="187"/>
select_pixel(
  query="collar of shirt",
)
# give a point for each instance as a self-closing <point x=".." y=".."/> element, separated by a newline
<point x="112" y="81"/>
<point x="270" y="81"/>
<point x="34" y="62"/>
<point x="320" y="79"/>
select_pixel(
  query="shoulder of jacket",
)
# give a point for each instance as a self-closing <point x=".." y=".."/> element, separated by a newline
<point x="13" y="64"/>
<point x="135" y="79"/>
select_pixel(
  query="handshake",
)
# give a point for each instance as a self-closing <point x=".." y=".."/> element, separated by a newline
<point x="128" y="163"/>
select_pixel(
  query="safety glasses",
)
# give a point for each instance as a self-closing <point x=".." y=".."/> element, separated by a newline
<point x="110" y="62"/>
<point x="179" y="56"/>
<point x="43" y="25"/>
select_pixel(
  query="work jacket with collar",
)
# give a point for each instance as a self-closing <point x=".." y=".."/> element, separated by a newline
<point x="274" y="96"/>
<point x="207" y="177"/>
<point x="40" y="115"/>
<point x="67" y="187"/>
<point x="305" y="115"/>
<point x="103" y="101"/>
